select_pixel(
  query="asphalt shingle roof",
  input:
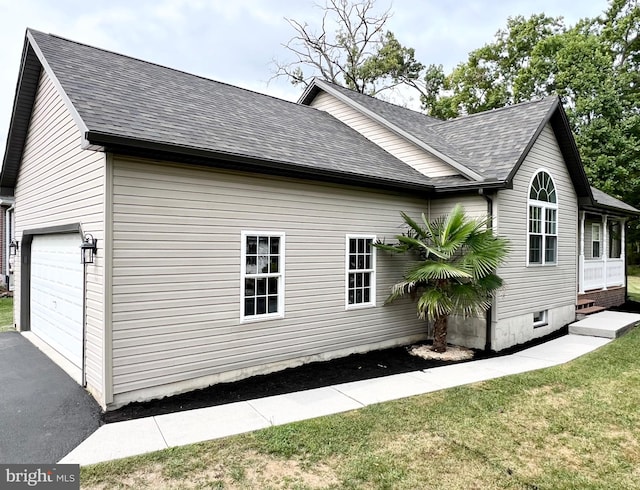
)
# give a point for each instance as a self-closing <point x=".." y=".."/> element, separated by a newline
<point x="604" y="199"/>
<point x="495" y="141"/>
<point x="415" y="123"/>
<point x="490" y="143"/>
<point x="132" y="102"/>
<point x="130" y="98"/>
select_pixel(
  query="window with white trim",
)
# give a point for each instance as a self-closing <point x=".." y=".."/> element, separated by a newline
<point x="262" y="285"/>
<point x="595" y="240"/>
<point x="540" y="318"/>
<point x="542" y="220"/>
<point x="360" y="271"/>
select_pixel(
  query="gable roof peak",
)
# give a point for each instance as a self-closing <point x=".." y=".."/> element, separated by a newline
<point x="362" y="98"/>
<point x="409" y="124"/>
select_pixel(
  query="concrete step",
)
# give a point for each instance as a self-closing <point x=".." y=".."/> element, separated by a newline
<point x="608" y="324"/>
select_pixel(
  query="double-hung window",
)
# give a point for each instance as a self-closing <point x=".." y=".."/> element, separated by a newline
<point x="262" y="285"/>
<point x="595" y="240"/>
<point x="360" y="271"/>
<point x="542" y="220"/>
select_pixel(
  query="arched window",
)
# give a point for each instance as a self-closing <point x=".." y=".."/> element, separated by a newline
<point x="543" y="220"/>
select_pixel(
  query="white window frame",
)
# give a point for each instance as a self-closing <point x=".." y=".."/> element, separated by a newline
<point x="280" y="275"/>
<point x="598" y="227"/>
<point x="544" y="206"/>
<point x="372" y="273"/>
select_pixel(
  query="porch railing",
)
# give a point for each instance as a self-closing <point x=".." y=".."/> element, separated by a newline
<point x="597" y="276"/>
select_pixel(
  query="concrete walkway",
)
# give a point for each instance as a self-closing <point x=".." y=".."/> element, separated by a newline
<point x="132" y="437"/>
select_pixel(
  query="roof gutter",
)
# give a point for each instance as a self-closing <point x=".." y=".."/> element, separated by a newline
<point x="599" y="208"/>
<point x="228" y="161"/>
<point x="472" y="186"/>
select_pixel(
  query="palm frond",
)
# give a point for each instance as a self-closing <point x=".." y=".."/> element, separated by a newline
<point x="490" y="283"/>
<point x="430" y="270"/>
<point x="485" y="255"/>
<point x="434" y="302"/>
<point x="456" y="273"/>
<point x="418" y="230"/>
<point x="467" y="299"/>
<point x="426" y="248"/>
<point x="398" y="248"/>
<point x="400" y="290"/>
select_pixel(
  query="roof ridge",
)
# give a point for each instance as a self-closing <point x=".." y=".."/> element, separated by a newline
<point x="499" y="109"/>
<point x="202" y="77"/>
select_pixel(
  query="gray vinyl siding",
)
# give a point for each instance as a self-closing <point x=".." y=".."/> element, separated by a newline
<point x="399" y="147"/>
<point x="176" y="271"/>
<point x="59" y="183"/>
<point x="474" y="205"/>
<point x="535" y="288"/>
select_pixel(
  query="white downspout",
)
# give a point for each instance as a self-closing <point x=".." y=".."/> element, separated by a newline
<point x="623" y="247"/>
<point x="9" y="231"/>
<point x="605" y="251"/>
<point x="581" y="256"/>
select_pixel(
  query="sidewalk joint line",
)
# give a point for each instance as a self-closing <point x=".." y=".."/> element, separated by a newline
<point x="160" y="430"/>
<point x="270" y="422"/>
<point x="348" y="396"/>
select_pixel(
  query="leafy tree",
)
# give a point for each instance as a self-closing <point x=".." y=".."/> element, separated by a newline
<point x="489" y="78"/>
<point x="351" y="48"/>
<point x="594" y="66"/>
<point x="455" y="272"/>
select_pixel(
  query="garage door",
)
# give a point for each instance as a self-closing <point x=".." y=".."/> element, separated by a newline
<point x="56" y="293"/>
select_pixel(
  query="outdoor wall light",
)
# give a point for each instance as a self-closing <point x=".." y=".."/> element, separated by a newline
<point x="13" y="247"/>
<point x="88" y="249"/>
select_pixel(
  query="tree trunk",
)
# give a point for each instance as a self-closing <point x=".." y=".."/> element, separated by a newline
<point x="440" y="334"/>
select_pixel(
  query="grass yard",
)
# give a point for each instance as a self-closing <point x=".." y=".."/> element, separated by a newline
<point x="567" y="427"/>
<point x="633" y="282"/>
<point x="6" y="314"/>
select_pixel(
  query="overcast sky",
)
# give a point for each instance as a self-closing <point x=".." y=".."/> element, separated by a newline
<point x="234" y="41"/>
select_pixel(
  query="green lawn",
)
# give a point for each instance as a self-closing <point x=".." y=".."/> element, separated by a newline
<point x="568" y="427"/>
<point x="633" y="282"/>
<point x="6" y="314"/>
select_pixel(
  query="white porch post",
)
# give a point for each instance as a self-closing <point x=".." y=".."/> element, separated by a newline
<point x="581" y="256"/>
<point x="605" y="251"/>
<point x="623" y="247"/>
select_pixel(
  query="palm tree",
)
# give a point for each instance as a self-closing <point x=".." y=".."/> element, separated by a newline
<point x="455" y="271"/>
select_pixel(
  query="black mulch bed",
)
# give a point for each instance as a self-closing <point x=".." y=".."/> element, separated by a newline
<point x="355" y="367"/>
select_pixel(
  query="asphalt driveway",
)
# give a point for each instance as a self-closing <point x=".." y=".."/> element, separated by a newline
<point x="44" y="414"/>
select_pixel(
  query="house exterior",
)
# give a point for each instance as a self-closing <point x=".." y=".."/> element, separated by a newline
<point x="6" y="224"/>
<point x="234" y="230"/>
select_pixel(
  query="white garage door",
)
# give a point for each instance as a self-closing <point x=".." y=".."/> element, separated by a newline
<point x="56" y="293"/>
